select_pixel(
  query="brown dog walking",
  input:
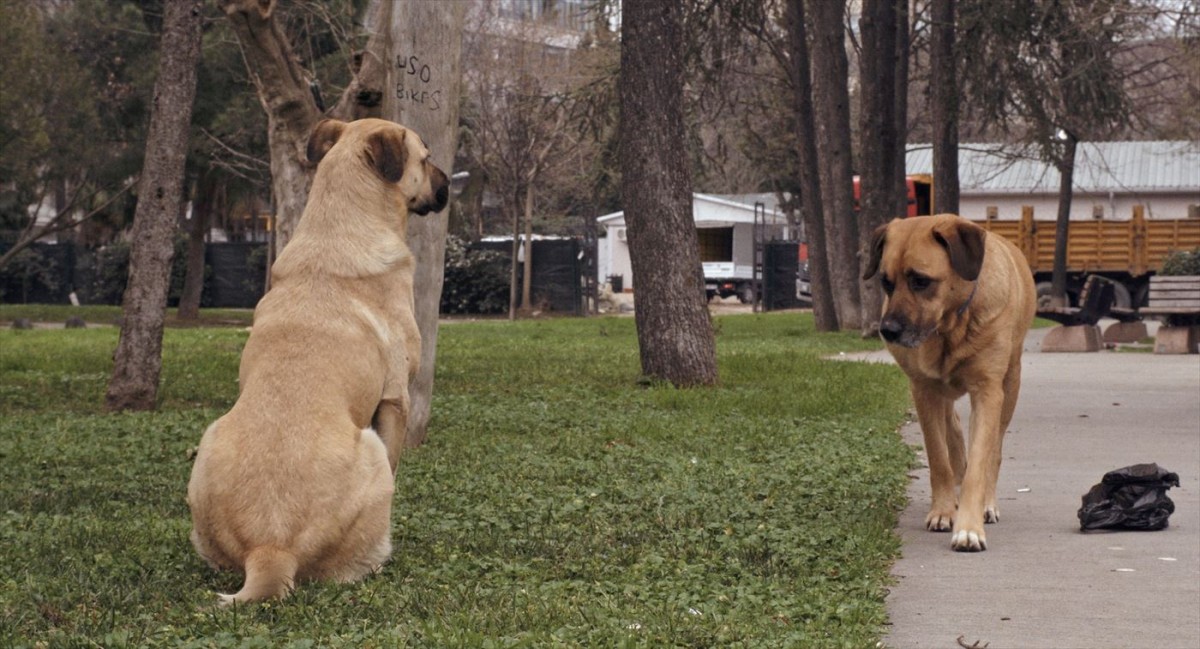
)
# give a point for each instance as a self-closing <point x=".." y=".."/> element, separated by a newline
<point x="959" y="302"/>
<point x="294" y="482"/>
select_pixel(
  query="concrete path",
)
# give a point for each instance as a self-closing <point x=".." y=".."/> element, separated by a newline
<point x="1042" y="582"/>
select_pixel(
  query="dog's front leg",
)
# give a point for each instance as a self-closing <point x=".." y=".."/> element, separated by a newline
<point x="933" y="411"/>
<point x="391" y="422"/>
<point x="983" y="467"/>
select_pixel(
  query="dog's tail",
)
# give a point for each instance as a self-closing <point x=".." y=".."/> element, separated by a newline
<point x="270" y="572"/>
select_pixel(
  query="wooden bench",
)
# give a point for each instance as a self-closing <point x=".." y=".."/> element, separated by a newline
<point x="1177" y="299"/>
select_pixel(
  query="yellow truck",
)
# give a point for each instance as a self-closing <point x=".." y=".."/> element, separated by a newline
<point x="1127" y="252"/>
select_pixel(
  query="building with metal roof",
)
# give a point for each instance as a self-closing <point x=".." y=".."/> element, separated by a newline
<point x="1110" y="178"/>
<point x="725" y="229"/>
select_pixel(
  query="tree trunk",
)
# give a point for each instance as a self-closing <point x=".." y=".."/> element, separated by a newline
<point x="514" y="267"/>
<point x="877" y="133"/>
<point x="527" y="279"/>
<point x="903" y="39"/>
<point x="138" y="358"/>
<point x="824" y="311"/>
<point x="425" y="48"/>
<point x="831" y="103"/>
<point x="1066" y="170"/>
<point x="943" y="95"/>
<point x="675" y="335"/>
<point x="193" y="281"/>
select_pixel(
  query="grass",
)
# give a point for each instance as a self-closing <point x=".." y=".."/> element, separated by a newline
<point x="559" y="501"/>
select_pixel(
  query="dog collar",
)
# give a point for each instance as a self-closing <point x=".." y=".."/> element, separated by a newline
<point x="963" y="309"/>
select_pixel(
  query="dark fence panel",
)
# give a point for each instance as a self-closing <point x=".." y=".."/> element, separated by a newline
<point x="38" y="275"/>
<point x="238" y="274"/>
<point x="557" y="282"/>
<point x="781" y="269"/>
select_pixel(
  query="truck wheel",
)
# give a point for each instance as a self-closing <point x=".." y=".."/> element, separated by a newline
<point x="745" y="294"/>
<point x="1043" y="294"/>
<point x="1121" y="297"/>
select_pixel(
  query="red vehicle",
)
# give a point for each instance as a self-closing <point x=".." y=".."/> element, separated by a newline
<point x="920" y="195"/>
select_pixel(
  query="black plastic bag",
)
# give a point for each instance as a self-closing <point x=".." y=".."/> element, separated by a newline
<point x="1132" y="498"/>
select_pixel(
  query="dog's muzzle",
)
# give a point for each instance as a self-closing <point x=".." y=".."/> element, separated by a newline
<point x="896" y="330"/>
<point x="440" y="186"/>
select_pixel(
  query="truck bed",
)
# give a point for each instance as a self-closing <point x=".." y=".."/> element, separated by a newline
<point x="1136" y="246"/>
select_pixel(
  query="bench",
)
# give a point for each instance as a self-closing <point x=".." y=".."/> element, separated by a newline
<point x="1079" y="332"/>
<point x="1095" y="302"/>
<point x="1177" y="299"/>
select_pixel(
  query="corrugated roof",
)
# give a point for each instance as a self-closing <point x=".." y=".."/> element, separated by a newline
<point x="736" y="202"/>
<point x="1161" y="166"/>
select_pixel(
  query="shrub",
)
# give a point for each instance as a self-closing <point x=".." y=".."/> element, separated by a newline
<point x="476" y="281"/>
<point x="1182" y="262"/>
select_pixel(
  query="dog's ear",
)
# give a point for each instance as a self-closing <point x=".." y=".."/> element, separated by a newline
<point x="878" y="239"/>
<point x="964" y="241"/>
<point x="324" y="136"/>
<point x="387" y="153"/>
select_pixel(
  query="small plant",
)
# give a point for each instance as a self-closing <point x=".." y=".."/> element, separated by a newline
<point x="1182" y="262"/>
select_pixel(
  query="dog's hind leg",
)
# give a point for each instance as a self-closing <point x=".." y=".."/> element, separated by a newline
<point x="391" y="423"/>
<point x="932" y="412"/>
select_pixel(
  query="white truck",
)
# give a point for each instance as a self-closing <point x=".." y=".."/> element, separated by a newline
<point x="727" y="278"/>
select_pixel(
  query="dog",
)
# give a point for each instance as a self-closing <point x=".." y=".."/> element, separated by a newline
<point x="295" y="482"/>
<point x="958" y="303"/>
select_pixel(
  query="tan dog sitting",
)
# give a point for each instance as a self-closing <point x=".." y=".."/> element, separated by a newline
<point x="959" y="302"/>
<point x="293" y="483"/>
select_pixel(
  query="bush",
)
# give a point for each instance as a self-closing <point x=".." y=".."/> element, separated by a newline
<point x="476" y="281"/>
<point x="1182" y="262"/>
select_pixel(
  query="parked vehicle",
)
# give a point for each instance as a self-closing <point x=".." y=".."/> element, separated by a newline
<point x="1127" y="252"/>
<point x="726" y="278"/>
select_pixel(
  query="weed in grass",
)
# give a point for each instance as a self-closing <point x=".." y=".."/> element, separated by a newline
<point x="557" y="503"/>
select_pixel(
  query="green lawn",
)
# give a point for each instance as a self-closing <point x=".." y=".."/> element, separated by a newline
<point x="558" y="502"/>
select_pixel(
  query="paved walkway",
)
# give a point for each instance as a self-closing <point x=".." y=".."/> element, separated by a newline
<point x="1043" y="583"/>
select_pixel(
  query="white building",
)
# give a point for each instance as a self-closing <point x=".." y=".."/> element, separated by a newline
<point x="725" y="226"/>
<point x="1110" y="178"/>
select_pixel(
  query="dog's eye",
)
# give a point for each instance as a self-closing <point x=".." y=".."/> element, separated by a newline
<point x="887" y="284"/>
<point x="919" y="283"/>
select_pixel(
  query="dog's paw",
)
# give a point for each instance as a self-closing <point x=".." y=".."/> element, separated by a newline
<point x="969" y="541"/>
<point x="939" y="520"/>
<point x="991" y="514"/>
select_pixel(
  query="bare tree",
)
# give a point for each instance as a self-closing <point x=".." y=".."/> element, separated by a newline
<point x="138" y="359"/>
<point x="798" y="68"/>
<point x="1046" y="74"/>
<point x="520" y="100"/>
<point x="904" y="39"/>
<point x="193" y="282"/>
<point x="285" y="89"/>
<point x="878" y="135"/>
<point x="675" y="335"/>
<point x="943" y="106"/>
<point x="831" y="103"/>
